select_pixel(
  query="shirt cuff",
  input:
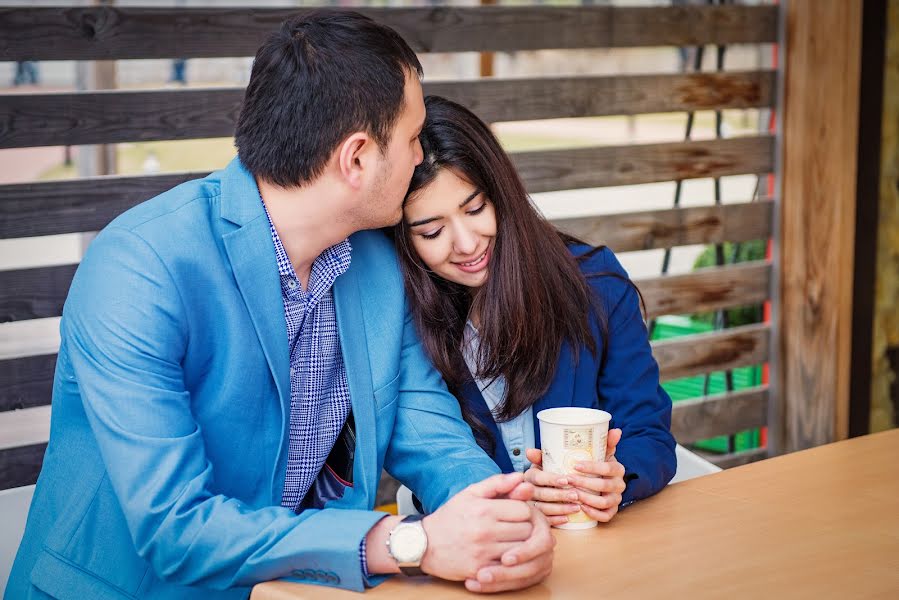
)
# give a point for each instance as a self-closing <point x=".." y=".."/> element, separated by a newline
<point x="364" y="561"/>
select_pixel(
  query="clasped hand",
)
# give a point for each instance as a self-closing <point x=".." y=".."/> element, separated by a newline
<point x="490" y="536"/>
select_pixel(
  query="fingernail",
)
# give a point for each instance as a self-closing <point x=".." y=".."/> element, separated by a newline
<point x="473" y="585"/>
<point x="572" y="496"/>
<point x="562" y="482"/>
<point x="485" y="577"/>
<point x="510" y="559"/>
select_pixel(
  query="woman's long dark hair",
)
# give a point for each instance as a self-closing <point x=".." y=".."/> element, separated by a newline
<point x="535" y="299"/>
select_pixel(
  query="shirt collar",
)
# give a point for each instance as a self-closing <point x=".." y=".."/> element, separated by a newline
<point x="328" y="266"/>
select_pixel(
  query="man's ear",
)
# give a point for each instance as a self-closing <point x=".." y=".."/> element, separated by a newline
<point x="351" y="157"/>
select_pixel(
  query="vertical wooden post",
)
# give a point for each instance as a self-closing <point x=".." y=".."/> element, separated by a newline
<point x="820" y="129"/>
<point x="487" y="57"/>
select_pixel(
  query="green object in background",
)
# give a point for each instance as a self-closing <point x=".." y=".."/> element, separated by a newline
<point x="692" y="387"/>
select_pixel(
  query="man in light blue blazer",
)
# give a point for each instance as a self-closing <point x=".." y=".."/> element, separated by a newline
<point x="238" y="364"/>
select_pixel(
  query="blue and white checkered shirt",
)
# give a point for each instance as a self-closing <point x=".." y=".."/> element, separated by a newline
<point x="319" y="392"/>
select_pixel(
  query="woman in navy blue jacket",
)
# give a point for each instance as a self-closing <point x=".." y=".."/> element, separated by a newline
<point x="519" y="317"/>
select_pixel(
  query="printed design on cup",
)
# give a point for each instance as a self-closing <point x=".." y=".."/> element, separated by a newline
<point x="578" y="445"/>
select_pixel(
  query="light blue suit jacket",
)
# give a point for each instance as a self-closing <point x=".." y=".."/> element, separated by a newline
<point x="169" y="432"/>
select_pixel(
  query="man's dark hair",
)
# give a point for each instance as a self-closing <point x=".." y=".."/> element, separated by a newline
<point x="318" y="79"/>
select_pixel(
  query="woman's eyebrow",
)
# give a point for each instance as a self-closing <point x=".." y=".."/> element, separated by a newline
<point x="473" y="195"/>
<point x="423" y="221"/>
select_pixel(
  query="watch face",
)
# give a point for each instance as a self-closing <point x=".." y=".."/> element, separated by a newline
<point x="408" y="543"/>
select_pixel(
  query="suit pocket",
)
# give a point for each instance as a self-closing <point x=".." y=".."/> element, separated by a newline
<point x="386" y="395"/>
<point x="61" y="579"/>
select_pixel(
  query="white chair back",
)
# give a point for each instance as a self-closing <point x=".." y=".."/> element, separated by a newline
<point x="14" y="504"/>
<point x="690" y="465"/>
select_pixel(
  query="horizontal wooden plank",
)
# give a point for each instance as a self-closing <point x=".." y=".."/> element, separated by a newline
<point x="496" y="100"/>
<point x="87" y="33"/>
<point x="646" y="230"/>
<point x="117" y="116"/>
<point x="48" y="208"/>
<point x="545" y="171"/>
<point x="34" y="293"/>
<point x="721" y="414"/>
<point x="21" y="466"/>
<point x="24" y="427"/>
<point x="736" y="459"/>
<point x="41" y="292"/>
<point x="26" y="382"/>
<point x="131" y="116"/>
<point x="706" y="289"/>
<point x="715" y="351"/>
<point x="70" y="206"/>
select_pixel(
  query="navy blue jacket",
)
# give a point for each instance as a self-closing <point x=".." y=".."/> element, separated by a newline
<point x="626" y="384"/>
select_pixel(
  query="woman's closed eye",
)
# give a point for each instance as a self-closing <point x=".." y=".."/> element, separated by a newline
<point x="432" y="234"/>
<point x="478" y="210"/>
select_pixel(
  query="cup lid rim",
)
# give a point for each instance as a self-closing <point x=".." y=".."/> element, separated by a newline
<point x="556" y="416"/>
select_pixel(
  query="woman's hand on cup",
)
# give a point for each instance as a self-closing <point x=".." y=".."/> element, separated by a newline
<point x="597" y="492"/>
<point x="553" y="494"/>
<point x="601" y="486"/>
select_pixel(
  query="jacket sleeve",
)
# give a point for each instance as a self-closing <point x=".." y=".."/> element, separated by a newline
<point x="432" y="450"/>
<point x="628" y="386"/>
<point x="126" y="332"/>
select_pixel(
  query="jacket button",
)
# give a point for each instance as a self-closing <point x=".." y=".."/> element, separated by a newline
<point x="516" y="451"/>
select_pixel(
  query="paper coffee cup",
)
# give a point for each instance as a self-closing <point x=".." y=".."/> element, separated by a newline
<point x="569" y="435"/>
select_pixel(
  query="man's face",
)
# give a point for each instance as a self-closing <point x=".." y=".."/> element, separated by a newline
<point x="398" y="161"/>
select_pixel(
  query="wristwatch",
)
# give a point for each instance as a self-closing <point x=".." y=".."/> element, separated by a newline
<point x="407" y="544"/>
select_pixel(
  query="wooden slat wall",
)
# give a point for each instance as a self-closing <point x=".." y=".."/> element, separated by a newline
<point x="716" y="351"/>
<point x="89" y="204"/>
<point x="40" y="293"/>
<point x="130" y="116"/>
<point x="703" y="418"/>
<point x="645" y="230"/>
<point x="117" y="33"/>
<point x="49" y="208"/>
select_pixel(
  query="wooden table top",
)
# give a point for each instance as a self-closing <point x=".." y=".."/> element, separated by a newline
<point x="822" y="523"/>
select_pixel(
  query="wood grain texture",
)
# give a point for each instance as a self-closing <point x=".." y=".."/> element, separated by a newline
<point x="782" y="525"/>
<point x="670" y="227"/>
<point x="818" y="218"/>
<point x="550" y="170"/>
<point x="41" y="292"/>
<point x="706" y="289"/>
<point x="21" y="466"/>
<point x="117" y="33"/>
<point x="715" y="351"/>
<point x="111" y="117"/>
<point x="26" y="382"/>
<point x="134" y="116"/>
<point x="88" y="205"/>
<point x="34" y="293"/>
<point x="53" y="207"/>
<point x="721" y="414"/>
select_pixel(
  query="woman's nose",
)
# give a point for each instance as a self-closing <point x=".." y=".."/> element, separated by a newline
<point x="464" y="241"/>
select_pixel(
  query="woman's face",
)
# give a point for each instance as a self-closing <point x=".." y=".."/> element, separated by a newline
<point x="452" y="227"/>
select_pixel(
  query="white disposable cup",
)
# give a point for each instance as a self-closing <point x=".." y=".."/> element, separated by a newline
<point x="569" y="435"/>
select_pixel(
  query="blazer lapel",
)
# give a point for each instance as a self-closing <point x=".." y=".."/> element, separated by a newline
<point x="354" y="345"/>
<point x="252" y="256"/>
<point x="475" y="401"/>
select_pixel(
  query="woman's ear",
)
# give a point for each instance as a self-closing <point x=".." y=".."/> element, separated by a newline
<point x="351" y="158"/>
